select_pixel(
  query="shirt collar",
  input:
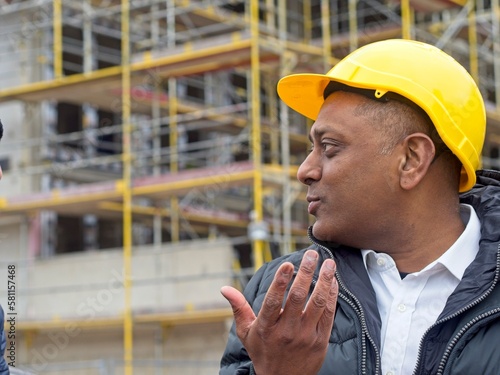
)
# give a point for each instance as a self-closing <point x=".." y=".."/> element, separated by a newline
<point x="458" y="257"/>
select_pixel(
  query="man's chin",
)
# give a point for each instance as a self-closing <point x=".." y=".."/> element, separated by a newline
<point x="333" y="236"/>
<point x="320" y="232"/>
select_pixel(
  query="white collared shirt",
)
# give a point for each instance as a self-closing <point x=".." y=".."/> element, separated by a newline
<point x="410" y="306"/>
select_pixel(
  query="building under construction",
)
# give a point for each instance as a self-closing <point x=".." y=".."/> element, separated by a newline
<point x="148" y="161"/>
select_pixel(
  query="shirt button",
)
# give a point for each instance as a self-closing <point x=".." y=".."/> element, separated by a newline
<point x="381" y="261"/>
<point x="402" y="307"/>
<point x="389" y="373"/>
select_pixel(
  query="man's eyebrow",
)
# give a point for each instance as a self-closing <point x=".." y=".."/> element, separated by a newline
<point x="316" y="133"/>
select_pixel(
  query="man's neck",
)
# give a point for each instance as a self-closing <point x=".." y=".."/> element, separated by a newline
<point x="425" y="241"/>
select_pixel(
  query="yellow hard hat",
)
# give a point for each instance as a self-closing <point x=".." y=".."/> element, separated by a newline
<point x="421" y="73"/>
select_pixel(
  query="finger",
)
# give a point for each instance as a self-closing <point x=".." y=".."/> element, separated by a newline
<point x="299" y="291"/>
<point x="273" y="301"/>
<point x="326" y="322"/>
<point x="242" y="312"/>
<point x="324" y="297"/>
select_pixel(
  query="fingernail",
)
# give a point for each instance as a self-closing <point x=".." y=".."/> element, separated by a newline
<point x="312" y="255"/>
<point x="223" y="290"/>
<point x="330" y="264"/>
<point x="286" y="272"/>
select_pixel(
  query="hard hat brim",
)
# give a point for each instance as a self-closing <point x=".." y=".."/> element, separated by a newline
<point x="303" y="92"/>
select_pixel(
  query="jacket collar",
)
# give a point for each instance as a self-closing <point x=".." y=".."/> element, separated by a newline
<point x="483" y="273"/>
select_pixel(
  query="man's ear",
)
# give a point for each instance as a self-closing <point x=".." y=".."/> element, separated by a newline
<point x="418" y="155"/>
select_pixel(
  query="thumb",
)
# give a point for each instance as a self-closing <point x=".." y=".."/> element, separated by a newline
<point x="243" y="313"/>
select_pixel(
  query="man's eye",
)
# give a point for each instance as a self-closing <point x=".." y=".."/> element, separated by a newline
<point x="327" y="147"/>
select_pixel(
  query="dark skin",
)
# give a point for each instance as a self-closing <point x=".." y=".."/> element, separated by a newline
<point x="350" y="182"/>
<point x="297" y="336"/>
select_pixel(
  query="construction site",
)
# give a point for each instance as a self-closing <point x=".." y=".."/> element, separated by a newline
<point x="148" y="161"/>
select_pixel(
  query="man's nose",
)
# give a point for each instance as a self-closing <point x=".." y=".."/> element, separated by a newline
<point x="310" y="170"/>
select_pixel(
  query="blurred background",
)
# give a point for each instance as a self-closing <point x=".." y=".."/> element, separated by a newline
<point x="148" y="161"/>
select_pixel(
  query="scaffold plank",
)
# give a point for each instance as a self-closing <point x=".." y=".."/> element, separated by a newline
<point x="167" y="318"/>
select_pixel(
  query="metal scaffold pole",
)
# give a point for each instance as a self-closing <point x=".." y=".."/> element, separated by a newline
<point x="473" y="53"/>
<point x="308" y="24"/>
<point x="353" y="25"/>
<point x="285" y="68"/>
<point x="127" y="195"/>
<point x="406" y="23"/>
<point x="174" y="155"/>
<point x="258" y="244"/>
<point x="326" y="29"/>
<point x="495" y="20"/>
<point x="57" y="26"/>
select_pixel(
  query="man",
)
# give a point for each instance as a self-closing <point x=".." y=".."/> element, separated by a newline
<point x="403" y="271"/>
<point x="4" y="368"/>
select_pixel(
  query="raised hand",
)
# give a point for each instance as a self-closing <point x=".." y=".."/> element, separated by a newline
<point x="294" y="339"/>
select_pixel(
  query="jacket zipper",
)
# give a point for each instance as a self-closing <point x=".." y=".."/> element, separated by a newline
<point x="359" y="311"/>
<point x="464" y="329"/>
<point x="455" y="339"/>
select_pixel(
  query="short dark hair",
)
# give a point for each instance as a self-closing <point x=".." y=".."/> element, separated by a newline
<point x="1" y="129"/>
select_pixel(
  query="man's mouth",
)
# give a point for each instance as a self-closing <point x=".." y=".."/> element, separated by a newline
<point x="314" y="203"/>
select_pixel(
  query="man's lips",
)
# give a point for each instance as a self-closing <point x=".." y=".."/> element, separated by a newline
<point x="314" y="203"/>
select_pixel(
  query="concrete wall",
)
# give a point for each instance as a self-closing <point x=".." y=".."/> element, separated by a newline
<point x="12" y="149"/>
<point x="181" y="350"/>
<point x="21" y="62"/>
<point x="12" y="239"/>
<point x="86" y="285"/>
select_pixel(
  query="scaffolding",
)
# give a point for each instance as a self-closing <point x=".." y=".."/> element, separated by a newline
<point x="158" y="122"/>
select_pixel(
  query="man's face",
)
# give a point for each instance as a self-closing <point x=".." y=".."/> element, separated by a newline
<point x="349" y="181"/>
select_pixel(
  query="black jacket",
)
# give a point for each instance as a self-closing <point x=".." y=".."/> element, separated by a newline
<point x="465" y="338"/>
<point x="4" y="369"/>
